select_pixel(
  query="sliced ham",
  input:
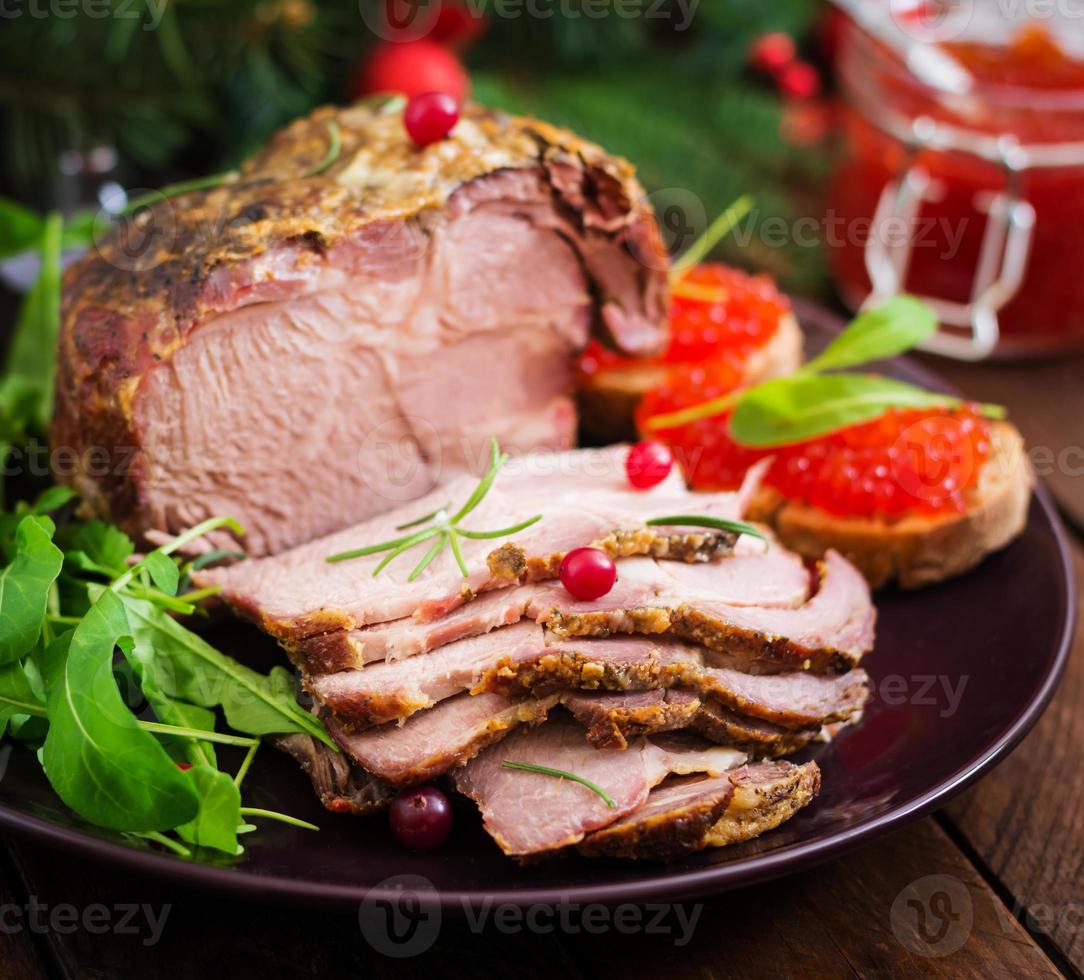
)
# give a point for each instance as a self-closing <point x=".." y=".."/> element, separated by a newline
<point x="530" y="814"/>
<point x="759" y="738"/>
<point x="521" y="661"/>
<point x="630" y="663"/>
<point x="752" y="575"/>
<point x="673" y="821"/>
<point x="392" y="690"/>
<point x="765" y="795"/>
<point x="583" y="498"/>
<point x="830" y="632"/>
<point x="686" y="815"/>
<point x="403" y="638"/>
<point x="613" y="720"/>
<point x="433" y="742"/>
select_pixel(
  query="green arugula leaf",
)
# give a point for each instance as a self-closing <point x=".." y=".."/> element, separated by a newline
<point x="53" y="499"/>
<point x="97" y="545"/>
<point x="25" y="585"/>
<point x="182" y="665"/>
<point x="97" y="758"/>
<point x="886" y="331"/>
<point x="32" y="355"/>
<point x="184" y="715"/>
<point x="17" y="695"/>
<point x="20" y="228"/>
<point x="163" y="571"/>
<point x="219" y="810"/>
<point x="794" y="409"/>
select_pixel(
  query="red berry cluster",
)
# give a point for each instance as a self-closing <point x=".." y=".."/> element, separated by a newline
<point x="775" y="55"/>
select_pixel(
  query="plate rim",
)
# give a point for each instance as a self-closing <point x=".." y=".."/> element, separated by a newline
<point x="671" y="885"/>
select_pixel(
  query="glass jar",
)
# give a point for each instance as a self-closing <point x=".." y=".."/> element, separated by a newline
<point x="975" y="201"/>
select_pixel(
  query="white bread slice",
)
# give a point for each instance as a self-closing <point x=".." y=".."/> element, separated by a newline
<point x="607" y="405"/>
<point x="916" y="550"/>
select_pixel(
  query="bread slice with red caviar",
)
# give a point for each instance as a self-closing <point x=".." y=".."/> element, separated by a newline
<point x="916" y="549"/>
<point x="608" y="399"/>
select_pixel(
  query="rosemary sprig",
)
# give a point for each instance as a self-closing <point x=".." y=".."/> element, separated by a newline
<point x="702" y="520"/>
<point x="715" y="233"/>
<point x="179" y="188"/>
<point x="561" y="774"/>
<point x="445" y="529"/>
<point x="334" y="147"/>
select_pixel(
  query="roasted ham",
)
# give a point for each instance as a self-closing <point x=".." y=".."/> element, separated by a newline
<point x="530" y="814"/>
<point x="686" y="815"/>
<point x="291" y="347"/>
<point x="752" y="575"/>
<point x="583" y="497"/>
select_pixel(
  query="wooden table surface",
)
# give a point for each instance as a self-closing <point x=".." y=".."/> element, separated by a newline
<point x="998" y="876"/>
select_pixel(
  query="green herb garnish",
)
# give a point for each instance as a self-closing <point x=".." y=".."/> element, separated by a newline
<point x="811" y="403"/>
<point x="334" y="147"/>
<point x="445" y="531"/>
<point x="702" y="520"/>
<point x="561" y="774"/>
<point x="68" y="602"/>
<point x="179" y="188"/>
<point x="715" y="232"/>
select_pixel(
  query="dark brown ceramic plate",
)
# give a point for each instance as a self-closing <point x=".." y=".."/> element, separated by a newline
<point x="961" y="672"/>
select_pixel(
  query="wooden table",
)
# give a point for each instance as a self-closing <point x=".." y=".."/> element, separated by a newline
<point x="1012" y="849"/>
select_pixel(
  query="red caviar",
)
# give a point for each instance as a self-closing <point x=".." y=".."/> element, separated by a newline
<point x="908" y="461"/>
<point x="715" y="311"/>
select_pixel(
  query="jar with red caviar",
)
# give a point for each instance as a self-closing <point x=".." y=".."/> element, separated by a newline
<point x="974" y="201"/>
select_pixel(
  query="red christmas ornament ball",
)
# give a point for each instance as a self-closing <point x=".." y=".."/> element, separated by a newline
<point x="799" y="81"/>
<point x="771" y="53"/>
<point x="412" y="68"/>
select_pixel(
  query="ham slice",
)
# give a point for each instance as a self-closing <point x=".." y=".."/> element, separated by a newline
<point x="530" y="814"/>
<point x="792" y="700"/>
<point x="686" y="815"/>
<point x="583" y="497"/>
<point x="830" y="632"/>
<point x="521" y="661"/>
<point x="613" y="720"/>
<point x="673" y="821"/>
<point x="752" y="575"/>
<point x="433" y="742"/>
<point x="765" y="796"/>
<point x="393" y="690"/>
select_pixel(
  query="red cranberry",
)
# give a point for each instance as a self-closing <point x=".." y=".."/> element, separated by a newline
<point x="588" y="573"/>
<point x="430" y="117"/>
<point x="421" y="818"/>
<point x="184" y="766"/>
<point x="648" y="464"/>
